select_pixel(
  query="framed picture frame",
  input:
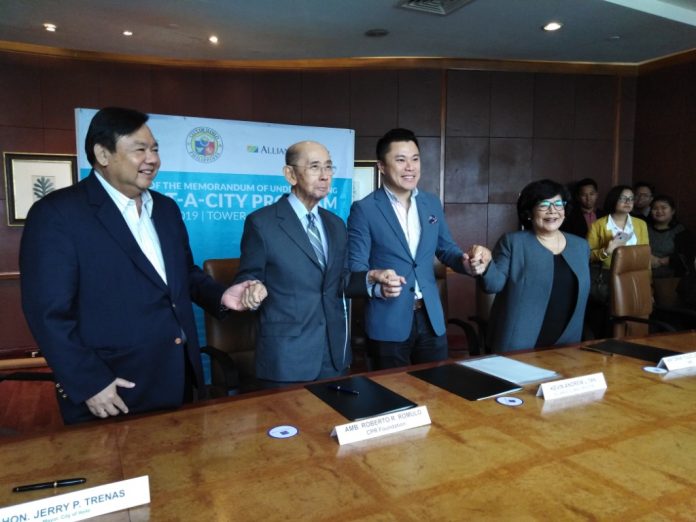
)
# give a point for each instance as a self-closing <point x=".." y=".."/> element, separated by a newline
<point x="365" y="178"/>
<point x="29" y="177"/>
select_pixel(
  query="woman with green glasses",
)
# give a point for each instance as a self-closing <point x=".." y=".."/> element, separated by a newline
<point x="540" y="275"/>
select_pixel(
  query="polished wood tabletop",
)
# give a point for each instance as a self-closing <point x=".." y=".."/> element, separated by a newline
<point x="628" y="455"/>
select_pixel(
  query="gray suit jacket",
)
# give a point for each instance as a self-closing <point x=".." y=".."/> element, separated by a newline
<point x="305" y="310"/>
<point x="521" y="274"/>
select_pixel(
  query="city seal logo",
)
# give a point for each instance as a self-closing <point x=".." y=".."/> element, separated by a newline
<point x="204" y="144"/>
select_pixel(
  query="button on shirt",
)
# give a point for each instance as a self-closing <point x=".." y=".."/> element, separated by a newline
<point x="141" y="226"/>
<point x="410" y="224"/>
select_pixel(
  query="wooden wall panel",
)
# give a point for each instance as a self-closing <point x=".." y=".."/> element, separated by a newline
<point x="553" y="159"/>
<point x="468" y="103"/>
<point x="467" y="223"/>
<point x="430" y="164"/>
<point x="502" y="218"/>
<point x="467" y="170"/>
<point x="512" y="105"/>
<point x="177" y="91"/>
<point x="373" y="102"/>
<point x="510" y="168"/>
<point x="20" y="89"/>
<point x="227" y="95"/>
<point x="278" y="97"/>
<point x="593" y="159"/>
<point x="554" y="106"/>
<point x="420" y="99"/>
<point x="125" y="85"/>
<point x="65" y="86"/>
<point x="594" y="107"/>
<point x="326" y="98"/>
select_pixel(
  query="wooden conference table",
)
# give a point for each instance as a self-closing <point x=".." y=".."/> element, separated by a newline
<point x="630" y="455"/>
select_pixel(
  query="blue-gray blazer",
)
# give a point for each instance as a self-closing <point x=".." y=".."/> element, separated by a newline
<point x="521" y="274"/>
<point x="376" y="240"/>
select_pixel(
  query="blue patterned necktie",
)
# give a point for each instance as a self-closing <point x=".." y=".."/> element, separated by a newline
<point x="315" y="240"/>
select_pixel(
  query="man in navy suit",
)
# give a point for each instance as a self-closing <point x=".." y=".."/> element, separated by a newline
<point x="298" y="251"/>
<point x="108" y="279"/>
<point x="400" y="227"/>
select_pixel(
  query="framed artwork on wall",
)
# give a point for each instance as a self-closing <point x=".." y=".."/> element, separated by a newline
<point x="29" y="177"/>
<point x="365" y="178"/>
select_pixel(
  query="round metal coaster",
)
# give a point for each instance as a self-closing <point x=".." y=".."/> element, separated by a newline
<point x="654" y="369"/>
<point x="509" y="401"/>
<point x="283" y="432"/>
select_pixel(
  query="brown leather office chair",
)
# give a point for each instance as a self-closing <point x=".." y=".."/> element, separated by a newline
<point x="231" y="341"/>
<point x="630" y="292"/>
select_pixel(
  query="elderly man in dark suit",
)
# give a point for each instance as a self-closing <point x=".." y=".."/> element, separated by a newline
<point x="108" y="279"/>
<point x="298" y="251"/>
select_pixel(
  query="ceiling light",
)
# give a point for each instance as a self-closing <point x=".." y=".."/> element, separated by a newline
<point x="553" y="26"/>
<point x="213" y="40"/>
<point x="127" y="33"/>
<point x="51" y="28"/>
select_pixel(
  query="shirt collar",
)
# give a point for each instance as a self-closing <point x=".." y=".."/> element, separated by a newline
<point x="300" y="209"/>
<point x="121" y="200"/>
<point x="392" y="197"/>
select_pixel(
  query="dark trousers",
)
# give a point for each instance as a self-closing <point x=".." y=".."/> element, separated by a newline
<point x="422" y="345"/>
<point x="327" y="371"/>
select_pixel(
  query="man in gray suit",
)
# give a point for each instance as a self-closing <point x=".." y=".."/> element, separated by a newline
<point x="298" y="251"/>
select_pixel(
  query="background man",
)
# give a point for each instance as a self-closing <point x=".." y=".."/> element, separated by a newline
<point x="643" y="195"/>
<point x="403" y="228"/>
<point x="108" y="279"/>
<point x="583" y="211"/>
<point x="298" y="251"/>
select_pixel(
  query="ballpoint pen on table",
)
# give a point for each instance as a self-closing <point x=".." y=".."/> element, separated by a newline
<point x="595" y="350"/>
<point x="343" y="389"/>
<point x="46" y="485"/>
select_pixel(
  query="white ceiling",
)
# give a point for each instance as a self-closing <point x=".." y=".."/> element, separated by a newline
<point x="598" y="31"/>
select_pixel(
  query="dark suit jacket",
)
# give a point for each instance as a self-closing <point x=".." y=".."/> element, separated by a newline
<point x="97" y="307"/>
<point x="376" y="240"/>
<point x="305" y="308"/>
<point x="575" y="221"/>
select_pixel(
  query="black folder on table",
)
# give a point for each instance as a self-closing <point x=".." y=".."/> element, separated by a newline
<point x="466" y="382"/>
<point x="372" y="399"/>
<point x="637" y="351"/>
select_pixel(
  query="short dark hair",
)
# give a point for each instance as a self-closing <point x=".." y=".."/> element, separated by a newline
<point x="584" y="183"/>
<point x="670" y="201"/>
<point x="110" y="124"/>
<point x="390" y="137"/>
<point x="613" y="198"/>
<point x="535" y="192"/>
<point x="638" y="184"/>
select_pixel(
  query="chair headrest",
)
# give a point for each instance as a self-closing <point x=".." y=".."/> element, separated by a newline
<point x="630" y="259"/>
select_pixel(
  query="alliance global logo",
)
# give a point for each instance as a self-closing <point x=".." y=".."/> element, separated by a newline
<point x="204" y="144"/>
<point x="265" y="149"/>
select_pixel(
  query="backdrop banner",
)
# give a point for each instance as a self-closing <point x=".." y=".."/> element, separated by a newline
<point x="219" y="171"/>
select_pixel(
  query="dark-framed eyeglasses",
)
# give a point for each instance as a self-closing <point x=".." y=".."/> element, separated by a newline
<point x="544" y="205"/>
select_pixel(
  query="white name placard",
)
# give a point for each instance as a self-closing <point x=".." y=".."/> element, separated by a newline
<point x="373" y="427"/>
<point x="83" y="504"/>
<point x="678" y="362"/>
<point x="572" y="386"/>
